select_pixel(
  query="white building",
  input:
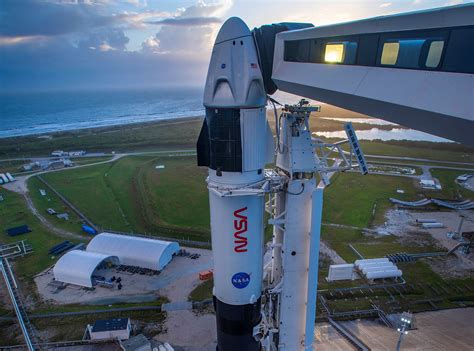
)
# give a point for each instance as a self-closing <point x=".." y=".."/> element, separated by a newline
<point x="58" y="153"/>
<point x="135" y="251"/>
<point x="110" y="329"/>
<point x="77" y="267"/>
<point x="430" y="184"/>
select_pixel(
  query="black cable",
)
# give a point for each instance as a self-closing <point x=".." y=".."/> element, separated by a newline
<point x="301" y="192"/>
<point x="277" y="122"/>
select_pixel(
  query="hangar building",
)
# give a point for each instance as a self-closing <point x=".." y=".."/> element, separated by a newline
<point x="135" y="251"/>
<point x="77" y="266"/>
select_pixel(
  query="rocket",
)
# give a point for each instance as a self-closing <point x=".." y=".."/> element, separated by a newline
<point x="235" y="143"/>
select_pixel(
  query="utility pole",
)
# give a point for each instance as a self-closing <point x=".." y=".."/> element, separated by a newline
<point x="406" y="320"/>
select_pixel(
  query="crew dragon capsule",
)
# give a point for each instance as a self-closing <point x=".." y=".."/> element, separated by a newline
<point x="235" y="143"/>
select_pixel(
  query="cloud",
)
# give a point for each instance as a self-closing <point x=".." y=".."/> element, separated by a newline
<point x="58" y="45"/>
<point x="188" y="21"/>
<point x="386" y="4"/>
<point x="29" y="18"/>
<point x="192" y="30"/>
<point x="105" y="40"/>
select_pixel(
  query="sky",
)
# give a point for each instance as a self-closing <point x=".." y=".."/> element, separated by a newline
<point x="120" y="44"/>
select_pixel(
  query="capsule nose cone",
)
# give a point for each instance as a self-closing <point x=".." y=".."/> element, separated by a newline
<point x="233" y="28"/>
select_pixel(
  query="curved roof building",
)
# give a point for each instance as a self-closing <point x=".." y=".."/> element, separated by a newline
<point x="135" y="251"/>
<point x="77" y="266"/>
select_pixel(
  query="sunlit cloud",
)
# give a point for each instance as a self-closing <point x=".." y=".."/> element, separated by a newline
<point x="6" y="41"/>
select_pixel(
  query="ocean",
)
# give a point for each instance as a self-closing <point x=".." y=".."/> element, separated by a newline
<point x="47" y="112"/>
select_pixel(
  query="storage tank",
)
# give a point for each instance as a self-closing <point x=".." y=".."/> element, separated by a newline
<point x="4" y="178"/>
<point x="432" y="225"/>
<point x="384" y="274"/>
<point x="378" y="268"/>
<point x="426" y="220"/>
<point x="367" y="260"/>
<point x="373" y="264"/>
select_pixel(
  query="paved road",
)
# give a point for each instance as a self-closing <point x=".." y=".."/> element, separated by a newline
<point x="417" y="159"/>
<point x="98" y="154"/>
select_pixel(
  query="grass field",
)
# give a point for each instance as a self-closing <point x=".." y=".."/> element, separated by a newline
<point x="87" y="160"/>
<point x="178" y="191"/>
<point x="14" y="212"/>
<point x="163" y="135"/>
<point x="451" y="189"/>
<point x="10" y="166"/>
<point x="361" y="201"/>
<point x="131" y="195"/>
<point x="203" y="291"/>
<point x="88" y="189"/>
<point x="42" y="203"/>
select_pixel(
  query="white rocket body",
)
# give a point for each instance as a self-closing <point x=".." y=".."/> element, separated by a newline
<point x="235" y="144"/>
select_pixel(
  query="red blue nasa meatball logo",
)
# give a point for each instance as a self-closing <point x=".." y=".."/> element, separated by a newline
<point x="240" y="280"/>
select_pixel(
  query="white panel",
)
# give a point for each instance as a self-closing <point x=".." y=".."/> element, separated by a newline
<point x="270" y="147"/>
<point x="254" y="144"/>
<point x="423" y="90"/>
<point x="340" y="272"/>
<point x="433" y="18"/>
<point x="296" y="260"/>
<point x="237" y="241"/>
<point x="316" y="217"/>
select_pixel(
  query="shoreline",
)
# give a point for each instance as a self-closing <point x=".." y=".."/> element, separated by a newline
<point x="102" y="129"/>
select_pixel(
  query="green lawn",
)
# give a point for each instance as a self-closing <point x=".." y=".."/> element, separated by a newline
<point x="87" y="188"/>
<point x="162" y="135"/>
<point x="88" y="160"/>
<point x="14" y="212"/>
<point x="178" y="191"/>
<point x="450" y="189"/>
<point x="203" y="291"/>
<point x="417" y="149"/>
<point x="42" y="203"/>
<point x="11" y="166"/>
<point x="131" y="195"/>
<point x="360" y="201"/>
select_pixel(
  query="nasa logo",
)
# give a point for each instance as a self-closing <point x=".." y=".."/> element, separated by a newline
<point x="240" y="280"/>
<point x="240" y="226"/>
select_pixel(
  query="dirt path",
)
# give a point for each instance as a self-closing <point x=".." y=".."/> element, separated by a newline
<point x="333" y="255"/>
<point x="58" y="231"/>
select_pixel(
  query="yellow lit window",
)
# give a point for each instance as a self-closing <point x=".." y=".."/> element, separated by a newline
<point x="434" y="54"/>
<point x="334" y="53"/>
<point x="390" y="53"/>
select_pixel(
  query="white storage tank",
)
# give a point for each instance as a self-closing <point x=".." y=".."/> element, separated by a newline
<point x="432" y="225"/>
<point x="384" y="274"/>
<point x="373" y="264"/>
<point x="426" y="220"/>
<point x="378" y="268"/>
<point x="374" y="260"/>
